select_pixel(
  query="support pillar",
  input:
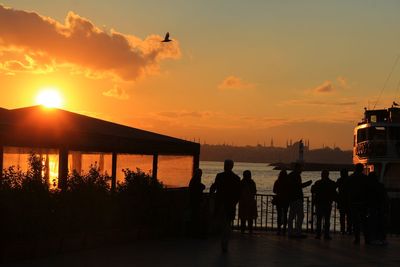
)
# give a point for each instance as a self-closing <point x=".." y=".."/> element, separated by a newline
<point x="155" y="166"/>
<point x="114" y="172"/>
<point x="62" y="168"/>
<point x="196" y="162"/>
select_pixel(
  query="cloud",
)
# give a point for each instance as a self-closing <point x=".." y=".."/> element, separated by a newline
<point x="184" y="113"/>
<point x="80" y="44"/>
<point x="233" y="82"/>
<point x="15" y="62"/>
<point x="342" y="82"/>
<point x="308" y="102"/>
<point x="325" y="87"/>
<point x="117" y="92"/>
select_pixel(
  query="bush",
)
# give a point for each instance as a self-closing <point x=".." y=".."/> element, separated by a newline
<point x="26" y="202"/>
<point x="141" y="199"/>
<point x="86" y="204"/>
<point x="30" y="209"/>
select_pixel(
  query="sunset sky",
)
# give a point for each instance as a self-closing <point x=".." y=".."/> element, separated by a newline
<point x="238" y="72"/>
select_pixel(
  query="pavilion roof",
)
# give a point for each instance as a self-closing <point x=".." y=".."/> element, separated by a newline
<point x="37" y="126"/>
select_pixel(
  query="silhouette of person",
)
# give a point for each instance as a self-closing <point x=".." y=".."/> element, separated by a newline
<point x="376" y="205"/>
<point x="247" y="202"/>
<point x="296" y="208"/>
<point x="196" y="189"/>
<point x="227" y="189"/>
<point x="324" y="193"/>
<point x="357" y="198"/>
<point x="342" y="185"/>
<point x="281" y="200"/>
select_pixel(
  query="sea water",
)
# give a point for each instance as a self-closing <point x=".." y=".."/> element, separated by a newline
<point x="263" y="175"/>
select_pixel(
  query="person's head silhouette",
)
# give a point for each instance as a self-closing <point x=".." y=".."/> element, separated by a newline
<point x="247" y="174"/>
<point x="325" y="174"/>
<point x="228" y="165"/>
<point x="359" y="168"/>
<point x="297" y="167"/>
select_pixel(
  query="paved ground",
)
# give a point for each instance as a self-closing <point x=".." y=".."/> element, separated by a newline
<point x="261" y="249"/>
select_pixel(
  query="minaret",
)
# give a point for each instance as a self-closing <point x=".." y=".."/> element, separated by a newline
<point x="301" y="151"/>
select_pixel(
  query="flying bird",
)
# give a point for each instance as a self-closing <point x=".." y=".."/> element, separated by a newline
<point x="166" y="39"/>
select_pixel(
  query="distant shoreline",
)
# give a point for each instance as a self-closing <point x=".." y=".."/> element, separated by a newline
<point x="312" y="166"/>
<point x="263" y="154"/>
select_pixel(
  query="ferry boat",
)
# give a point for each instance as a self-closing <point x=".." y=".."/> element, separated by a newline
<point x="377" y="145"/>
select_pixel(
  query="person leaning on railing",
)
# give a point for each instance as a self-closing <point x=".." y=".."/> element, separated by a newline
<point x="247" y="202"/>
<point x="296" y="208"/>
<point x="281" y="200"/>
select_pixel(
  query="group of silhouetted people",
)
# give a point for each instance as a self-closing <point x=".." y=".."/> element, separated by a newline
<point x="364" y="201"/>
<point x="229" y="191"/>
<point x="288" y="189"/>
<point x="361" y="202"/>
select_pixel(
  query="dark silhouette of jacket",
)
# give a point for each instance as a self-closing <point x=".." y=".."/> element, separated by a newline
<point x="357" y="186"/>
<point x="295" y="186"/>
<point x="247" y="201"/>
<point x="282" y="190"/>
<point x="376" y="195"/>
<point x="324" y="191"/>
<point x="343" y="192"/>
<point x="376" y="203"/>
<point x="227" y="189"/>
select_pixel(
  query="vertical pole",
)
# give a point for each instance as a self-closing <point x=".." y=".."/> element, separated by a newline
<point x="1" y="161"/>
<point x="155" y="165"/>
<point x="272" y="217"/>
<point x="312" y="213"/>
<point x="196" y="162"/>
<point x="113" y="171"/>
<point x="261" y="210"/>
<point x="308" y="211"/>
<point x="266" y="213"/>
<point x="62" y="168"/>
<point x="334" y="217"/>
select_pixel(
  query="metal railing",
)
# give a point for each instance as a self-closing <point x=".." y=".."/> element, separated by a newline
<point x="267" y="215"/>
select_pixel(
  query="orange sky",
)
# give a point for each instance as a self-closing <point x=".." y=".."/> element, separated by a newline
<point x="235" y="72"/>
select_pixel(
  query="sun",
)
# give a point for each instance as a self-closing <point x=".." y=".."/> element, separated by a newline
<point x="50" y="98"/>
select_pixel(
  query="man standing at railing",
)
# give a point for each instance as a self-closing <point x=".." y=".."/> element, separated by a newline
<point x="296" y="208"/>
<point x="227" y="189"/>
<point x="324" y="193"/>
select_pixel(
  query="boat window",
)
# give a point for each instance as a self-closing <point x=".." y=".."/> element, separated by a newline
<point x="373" y="118"/>
<point x="376" y="133"/>
<point x="361" y="135"/>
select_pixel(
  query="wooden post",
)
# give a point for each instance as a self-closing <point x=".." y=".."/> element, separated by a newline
<point x="155" y="165"/>
<point x="114" y="172"/>
<point x="62" y="168"/>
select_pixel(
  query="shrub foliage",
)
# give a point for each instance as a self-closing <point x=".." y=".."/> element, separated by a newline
<point x="30" y="209"/>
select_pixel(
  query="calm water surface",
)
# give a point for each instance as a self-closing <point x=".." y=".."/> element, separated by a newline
<point x="262" y="174"/>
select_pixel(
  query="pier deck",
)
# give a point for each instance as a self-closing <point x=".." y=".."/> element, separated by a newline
<point x="260" y="249"/>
